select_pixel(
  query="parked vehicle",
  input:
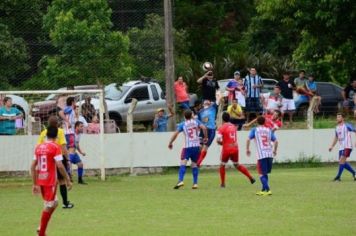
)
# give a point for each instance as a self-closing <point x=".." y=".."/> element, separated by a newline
<point x="149" y="95"/>
<point x="331" y="98"/>
<point x="44" y="109"/>
<point x="18" y="102"/>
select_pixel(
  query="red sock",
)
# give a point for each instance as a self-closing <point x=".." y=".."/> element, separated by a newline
<point x="46" y="216"/>
<point x="222" y="175"/>
<point x="201" y="157"/>
<point x="244" y="171"/>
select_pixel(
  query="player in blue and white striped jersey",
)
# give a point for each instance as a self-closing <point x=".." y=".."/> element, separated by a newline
<point x="266" y="144"/>
<point x="190" y="127"/>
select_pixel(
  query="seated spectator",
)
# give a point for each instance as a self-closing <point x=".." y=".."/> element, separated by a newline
<point x="300" y="84"/>
<point x="161" y="119"/>
<point x="8" y="116"/>
<point x="88" y="110"/>
<point x="272" y="101"/>
<point x="236" y="114"/>
<point x="182" y="95"/>
<point x="349" y="96"/>
<point x="272" y="120"/>
<point x="315" y="100"/>
<point x="79" y="117"/>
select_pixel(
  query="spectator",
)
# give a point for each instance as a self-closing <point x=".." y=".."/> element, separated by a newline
<point x="88" y="110"/>
<point x="197" y="107"/>
<point x="287" y="86"/>
<point x="62" y="99"/>
<point x="273" y="101"/>
<point x="315" y="100"/>
<point x="236" y="114"/>
<point x="79" y="117"/>
<point x="349" y="96"/>
<point x="209" y="86"/>
<point x="300" y="83"/>
<point x="182" y="95"/>
<point x="8" y="116"/>
<point x="253" y="85"/>
<point x="161" y="119"/>
<point x="236" y="89"/>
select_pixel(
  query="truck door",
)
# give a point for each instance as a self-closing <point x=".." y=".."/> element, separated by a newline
<point x="144" y="104"/>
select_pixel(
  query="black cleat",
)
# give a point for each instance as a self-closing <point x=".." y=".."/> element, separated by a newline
<point x="82" y="182"/>
<point x="178" y="185"/>
<point x="253" y="180"/>
<point x="337" y="179"/>
<point x="222" y="186"/>
<point x="68" y="206"/>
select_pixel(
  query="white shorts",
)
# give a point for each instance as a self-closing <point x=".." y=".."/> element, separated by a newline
<point x="288" y="105"/>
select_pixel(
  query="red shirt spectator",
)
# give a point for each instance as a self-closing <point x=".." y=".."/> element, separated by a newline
<point x="181" y="91"/>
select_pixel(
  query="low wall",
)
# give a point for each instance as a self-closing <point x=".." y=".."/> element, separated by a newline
<point x="125" y="150"/>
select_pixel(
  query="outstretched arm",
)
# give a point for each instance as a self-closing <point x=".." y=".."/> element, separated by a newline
<point x="173" y="138"/>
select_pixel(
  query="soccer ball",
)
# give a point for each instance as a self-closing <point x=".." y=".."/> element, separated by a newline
<point x="207" y="66"/>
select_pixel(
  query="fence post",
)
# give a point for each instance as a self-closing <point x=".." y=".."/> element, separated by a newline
<point x="310" y="113"/>
<point x="129" y="127"/>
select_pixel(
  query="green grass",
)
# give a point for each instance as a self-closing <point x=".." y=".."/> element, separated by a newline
<point x="304" y="202"/>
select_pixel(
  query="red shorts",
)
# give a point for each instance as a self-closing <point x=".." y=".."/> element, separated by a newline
<point x="49" y="193"/>
<point x="232" y="154"/>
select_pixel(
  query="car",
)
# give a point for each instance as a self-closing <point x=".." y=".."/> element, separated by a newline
<point x="268" y="85"/>
<point x="331" y="99"/>
<point x="44" y="109"/>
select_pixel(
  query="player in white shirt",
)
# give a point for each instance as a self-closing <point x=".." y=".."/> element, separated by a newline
<point x="266" y="145"/>
<point x="343" y="133"/>
<point x="190" y="127"/>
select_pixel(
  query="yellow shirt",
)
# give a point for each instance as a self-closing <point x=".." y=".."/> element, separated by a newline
<point x="60" y="140"/>
<point x="236" y="112"/>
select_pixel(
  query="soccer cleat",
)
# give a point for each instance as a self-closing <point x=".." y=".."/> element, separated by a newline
<point x="68" y="206"/>
<point x="195" y="186"/>
<point x="337" y="179"/>
<point x="268" y="193"/>
<point x="179" y="184"/>
<point x="261" y="193"/>
<point x="355" y="177"/>
<point x="82" y="182"/>
<point x="252" y="180"/>
<point x="222" y="186"/>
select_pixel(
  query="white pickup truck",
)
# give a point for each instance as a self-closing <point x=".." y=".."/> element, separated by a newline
<point x="149" y="97"/>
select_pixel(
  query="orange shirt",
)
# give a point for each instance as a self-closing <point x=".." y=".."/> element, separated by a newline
<point x="181" y="92"/>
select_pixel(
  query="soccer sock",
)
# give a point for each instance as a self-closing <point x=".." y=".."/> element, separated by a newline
<point x="267" y="185"/>
<point x="341" y="169"/>
<point x="64" y="194"/>
<point x="46" y="216"/>
<point x="244" y="171"/>
<point x="349" y="168"/>
<point x="195" y="172"/>
<point x="80" y="172"/>
<point x="201" y="157"/>
<point x="263" y="182"/>
<point x="222" y="175"/>
<point x="181" y="173"/>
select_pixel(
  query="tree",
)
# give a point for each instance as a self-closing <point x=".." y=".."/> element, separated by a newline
<point x="88" y="50"/>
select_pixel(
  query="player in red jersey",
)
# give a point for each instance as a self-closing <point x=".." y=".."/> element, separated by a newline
<point x="272" y="120"/>
<point x="227" y="137"/>
<point x="48" y="157"/>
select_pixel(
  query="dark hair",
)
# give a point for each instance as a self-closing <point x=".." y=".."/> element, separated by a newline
<point x="225" y="117"/>
<point x="286" y="72"/>
<point x="53" y="121"/>
<point x="302" y="71"/>
<point x="340" y="114"/>
<point x="6" y="99"/>
<point x="188" y="114"/>
<point x="52" y="132"/>
<point x="261" y="120"/>
<point x="197" y="103"/>
<point x="70" y="101"/>
<point x="77" y="124"/>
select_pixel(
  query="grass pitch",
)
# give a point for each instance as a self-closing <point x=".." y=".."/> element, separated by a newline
<point x="304" y="202"/>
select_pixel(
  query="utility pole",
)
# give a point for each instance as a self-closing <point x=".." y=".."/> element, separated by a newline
<point x="169" y="59"/>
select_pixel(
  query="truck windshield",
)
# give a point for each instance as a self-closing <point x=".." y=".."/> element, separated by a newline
<point x="114" y="93"/>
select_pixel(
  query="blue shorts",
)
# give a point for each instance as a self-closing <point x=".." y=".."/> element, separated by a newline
<point x="191" y="153"/>
<point x="211" y="136"/>
<point x="74" y="158"/>
<point x="70" y="140"/>
<point x="264" y="166"/>
<point x="345" y="153"/>
<point x="184" y="105"/>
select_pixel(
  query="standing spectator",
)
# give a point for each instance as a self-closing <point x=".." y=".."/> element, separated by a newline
<point x="287" y="86"/>
<point x="236" y="114"/>
<point x="312" y="89"/>
<point x="8" y="116"/>
<point x="231" y="87"/>
<point x="182" y="95"/>
<point x="209" y="86"/>
<point x="349" y="95"/>
<point x="161" y="119"/>
<point x="88" y="110"/>
<point x="62" y="99"/>
<point x="253" y="84"/>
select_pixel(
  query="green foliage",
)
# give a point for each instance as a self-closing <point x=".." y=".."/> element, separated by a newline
<point x="147" y="48"/>
<point x="88" y="51"/>
<point x="303" y="161"/>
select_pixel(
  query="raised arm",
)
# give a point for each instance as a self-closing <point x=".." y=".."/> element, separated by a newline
<point x="170" y="110"/>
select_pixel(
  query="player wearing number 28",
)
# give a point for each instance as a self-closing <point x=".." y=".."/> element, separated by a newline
<point x="227" y="137"/>
<point x="190" y="128"/>
<point x="264" y="139"/>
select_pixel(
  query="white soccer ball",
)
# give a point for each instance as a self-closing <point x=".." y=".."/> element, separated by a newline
<point x="207" y="66"/>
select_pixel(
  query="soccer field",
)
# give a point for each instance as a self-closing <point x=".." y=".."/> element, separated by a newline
<point x="304" y="202"/>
